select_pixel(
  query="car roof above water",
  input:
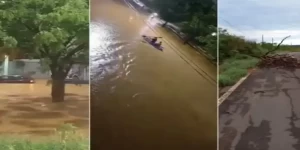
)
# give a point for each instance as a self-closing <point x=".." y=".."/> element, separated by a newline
<point x="15" y="76"/>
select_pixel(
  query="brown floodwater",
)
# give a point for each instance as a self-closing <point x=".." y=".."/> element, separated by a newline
<point x="143" y="98"/>
<point x="26" y="109"/>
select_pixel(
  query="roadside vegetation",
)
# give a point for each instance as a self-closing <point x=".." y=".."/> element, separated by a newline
<point x="65" y="138"/>
<point x="237" y="56"/>
<point x="196" y="19"/>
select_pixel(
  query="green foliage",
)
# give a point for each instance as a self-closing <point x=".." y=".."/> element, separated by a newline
<point x="65" y="139"/>
<point x="197" y="19"/>
<point x="198" y="27"/>
<point x="9" y="42"/>
<point x="209" y="43"/>
<point x="290" y="48"/>
<point x="236" y="57"/>
<point x="231" y="77"/>
<point x="230" y="45"/>
<point x="5" y="40"/>
<point x="56" y="30"/>
<point x="238" y="61"/>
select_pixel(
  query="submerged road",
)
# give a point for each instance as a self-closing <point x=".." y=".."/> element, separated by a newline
<point x="143" y="98"/>
<point x="263" y="113"/>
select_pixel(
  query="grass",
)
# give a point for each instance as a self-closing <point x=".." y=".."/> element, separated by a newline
<point x="232" y="69"/>
<point x="289" y="49"/>
<point x="236" y="67"/>
<point x="65" y="139"/>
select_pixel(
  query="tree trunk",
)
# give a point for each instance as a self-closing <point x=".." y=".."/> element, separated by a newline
<point x="58" y="90"/>
<point x="163" y="25"/>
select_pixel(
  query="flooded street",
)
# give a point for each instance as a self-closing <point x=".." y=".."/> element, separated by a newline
<point x="143" y="98"/>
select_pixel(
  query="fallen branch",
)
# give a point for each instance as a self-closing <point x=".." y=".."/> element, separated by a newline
<point x="277" y="47"/>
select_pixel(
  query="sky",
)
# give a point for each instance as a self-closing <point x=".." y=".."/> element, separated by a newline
<point x="253" y="18"/>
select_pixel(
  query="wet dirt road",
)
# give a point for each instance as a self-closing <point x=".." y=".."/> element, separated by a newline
<point x="263" y="113"/>
<point x="142" y="98"/>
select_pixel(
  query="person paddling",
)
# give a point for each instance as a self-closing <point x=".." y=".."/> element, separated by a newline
<point x="159" y="44"/>
<point x="153" y="40"/>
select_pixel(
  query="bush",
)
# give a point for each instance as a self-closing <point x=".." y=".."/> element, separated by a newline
<point x="235" y="68"/>
<point x="231" y="45"/>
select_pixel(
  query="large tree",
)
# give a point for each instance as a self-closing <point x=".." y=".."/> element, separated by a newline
<point x="56" y="31"/>
<point x="170" y="10"/>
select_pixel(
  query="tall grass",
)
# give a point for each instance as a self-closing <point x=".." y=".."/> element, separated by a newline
<point x="65" y="139"/>
<point x="232" y="69"/>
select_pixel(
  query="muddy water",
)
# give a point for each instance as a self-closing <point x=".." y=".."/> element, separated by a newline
<point x="143" y="98"/>
<point x="27" y="109"/>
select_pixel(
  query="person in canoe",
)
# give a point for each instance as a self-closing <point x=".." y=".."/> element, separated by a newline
<point x="158" y="44"/>
<point x="153" y="39"/>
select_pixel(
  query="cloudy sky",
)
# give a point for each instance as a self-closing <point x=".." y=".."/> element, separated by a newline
<point x="254" y="18"/>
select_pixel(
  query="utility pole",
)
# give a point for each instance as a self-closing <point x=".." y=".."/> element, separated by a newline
<point x="262" y="39"/>
<point x="272" y="42"/>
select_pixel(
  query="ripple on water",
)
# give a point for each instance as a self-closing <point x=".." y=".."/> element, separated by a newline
<point x="110" y="58"/>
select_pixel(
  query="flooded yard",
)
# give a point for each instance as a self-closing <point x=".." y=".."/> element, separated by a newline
<point x="27" y="109"/>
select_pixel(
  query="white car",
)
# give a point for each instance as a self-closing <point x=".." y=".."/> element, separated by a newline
<point x="153" y="15"/>
<point x="139" y="3"/>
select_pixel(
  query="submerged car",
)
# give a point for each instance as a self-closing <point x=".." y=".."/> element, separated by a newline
<point x="15" y="79"/>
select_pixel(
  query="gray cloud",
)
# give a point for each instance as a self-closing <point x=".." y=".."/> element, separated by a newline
<point x="252" y="18"/>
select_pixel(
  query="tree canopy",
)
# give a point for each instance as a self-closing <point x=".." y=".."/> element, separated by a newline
<point x="56" y="31"/>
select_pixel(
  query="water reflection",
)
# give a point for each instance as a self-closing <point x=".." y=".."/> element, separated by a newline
<point x="110" y="58"/>
<point x="102" y="50"/>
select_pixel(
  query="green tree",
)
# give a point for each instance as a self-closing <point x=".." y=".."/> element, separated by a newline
<point x="56" y="31"/>
<point x="200" y="26"/>
<point x="170" y="10"/>
<point x="5" y="40"/>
